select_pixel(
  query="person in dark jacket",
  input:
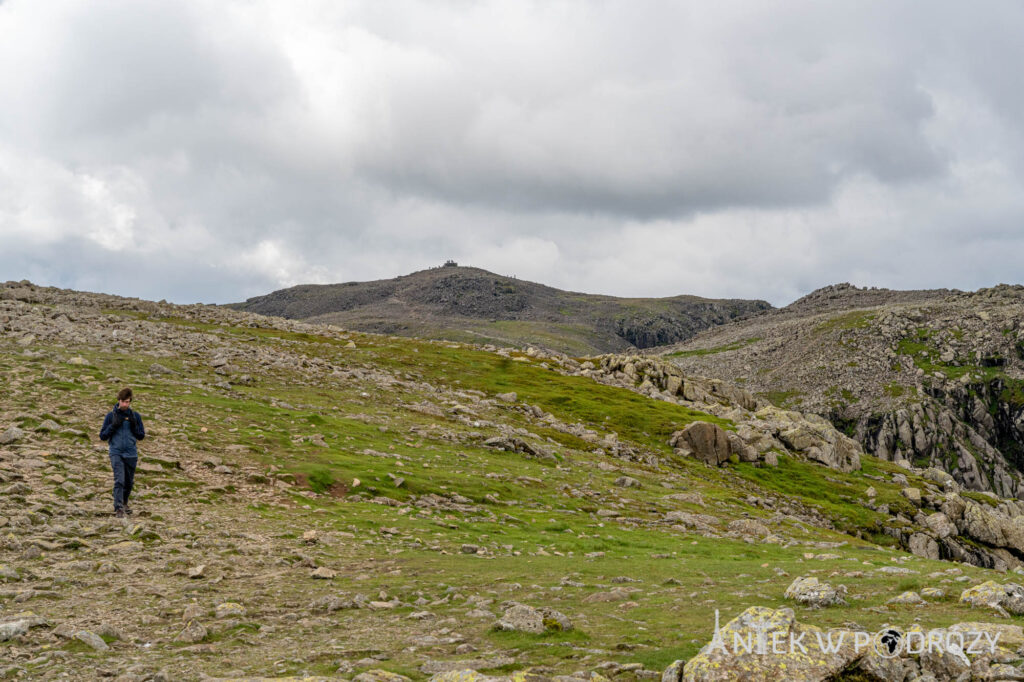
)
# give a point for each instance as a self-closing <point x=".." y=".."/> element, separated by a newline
<point x="122" y="427"/>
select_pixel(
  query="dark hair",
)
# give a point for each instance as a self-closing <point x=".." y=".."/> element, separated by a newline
<point x="124" y="394"/>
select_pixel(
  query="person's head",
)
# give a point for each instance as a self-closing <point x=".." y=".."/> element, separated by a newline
<point x="124" y="398"/>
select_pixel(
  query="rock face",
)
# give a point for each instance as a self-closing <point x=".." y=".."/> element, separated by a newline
<point x="773" y="656"/>
<point x="933" y="377"/>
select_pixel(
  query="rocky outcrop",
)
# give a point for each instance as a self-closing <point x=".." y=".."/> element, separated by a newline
<point x="972" y="430"/>
<point x="932" y="377"/>
<point x="957" y="525"/>
<point x="762" y="430"/>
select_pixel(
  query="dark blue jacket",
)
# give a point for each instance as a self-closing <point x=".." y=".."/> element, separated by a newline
<point x="122" y="438"/>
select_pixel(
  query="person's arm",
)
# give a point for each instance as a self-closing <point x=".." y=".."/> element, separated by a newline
<point x="105" y="430"/>
<point x="137" y="428"/>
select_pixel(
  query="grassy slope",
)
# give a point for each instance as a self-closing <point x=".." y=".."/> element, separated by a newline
<point x="543" y="526"/>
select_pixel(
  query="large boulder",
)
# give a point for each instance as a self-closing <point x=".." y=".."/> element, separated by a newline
<point x="940" y="525"/>
<point x="781" y="649"/>
<point x="708" y="442"/>
<point x="923" y="545"/>
<point x="11" y="435"/>
<point x="812" y="592"/>
<point x="1006" y="599"/>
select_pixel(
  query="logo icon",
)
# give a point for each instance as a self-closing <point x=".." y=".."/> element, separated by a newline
<point x="888" y="643"/>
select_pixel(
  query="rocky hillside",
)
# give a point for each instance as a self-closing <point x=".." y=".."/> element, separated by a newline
<point x="469" y="304"/>
<point x="934" y="377"/>
<point x="317" y="502"/>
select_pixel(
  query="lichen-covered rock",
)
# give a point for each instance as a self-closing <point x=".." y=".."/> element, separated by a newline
<point x="909" y="597"/>
<point x="674" y="672"/>
<point x="1007" y="599"/>
<point x="465" y="675"/>
<point x="782" y="649"/>
<point x="377" y="675"/>
<point x="230" y="609"/>
<point x="1008" y="636"/>
<point x="812" y="592"/>
<point x="523" y="618"/>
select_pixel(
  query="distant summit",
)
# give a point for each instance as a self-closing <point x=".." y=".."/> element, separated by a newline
<point x="469" y="304"/>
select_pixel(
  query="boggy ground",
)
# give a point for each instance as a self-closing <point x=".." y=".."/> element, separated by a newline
<point x="277" y="451"/>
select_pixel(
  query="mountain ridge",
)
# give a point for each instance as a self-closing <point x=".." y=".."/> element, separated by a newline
<point x="471" y="304"/>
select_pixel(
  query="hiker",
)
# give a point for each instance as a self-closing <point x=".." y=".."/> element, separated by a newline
<point x="123" y="427"/>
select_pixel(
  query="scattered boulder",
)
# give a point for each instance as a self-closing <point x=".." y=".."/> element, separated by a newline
<point x="324" y="573"/>
<point x="523" y="618"/>
<point x="909" y="597"/>
<point x="91" y="639"/>
<point x="11" y="435"/>
<point x="812" y="592"/>
<point x="13" y="629"/>
<point x="230" y="609"/>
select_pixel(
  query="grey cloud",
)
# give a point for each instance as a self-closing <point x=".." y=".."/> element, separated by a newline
<point x="645" y="148"/>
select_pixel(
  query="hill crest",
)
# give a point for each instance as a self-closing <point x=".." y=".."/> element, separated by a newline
<point x="470" y="304"/>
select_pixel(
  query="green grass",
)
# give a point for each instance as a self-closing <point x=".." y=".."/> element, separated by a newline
<point x="856" y="319"/>
<point x="895" y="389"/>
<point x="785" y="399"/>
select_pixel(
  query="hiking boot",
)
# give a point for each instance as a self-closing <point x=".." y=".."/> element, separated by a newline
<point x="128" y="511"/>
<point x="119" y="513"/>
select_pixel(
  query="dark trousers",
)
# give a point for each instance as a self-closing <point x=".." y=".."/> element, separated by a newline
<point x="124" y="478"/>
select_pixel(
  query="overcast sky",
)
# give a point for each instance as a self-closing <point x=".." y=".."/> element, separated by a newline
<point x="215" y="150"/>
